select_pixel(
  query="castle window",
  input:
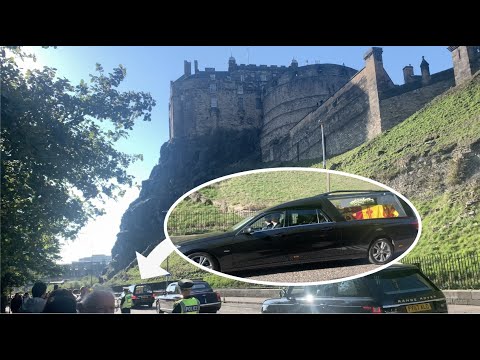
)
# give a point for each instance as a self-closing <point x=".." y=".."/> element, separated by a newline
<point x="242" y="78"/>
<point x="263" y="77"/>
<point x="258" y="103"/>
<point x="240" y="103"/>
<point x="213" y="88"/>
<point x="212" y="76"/>
<point x="240" y="90"/>
<point x="213" y="102"/>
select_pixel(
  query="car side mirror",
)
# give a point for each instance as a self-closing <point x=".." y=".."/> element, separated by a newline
<point x="248" y="230"/>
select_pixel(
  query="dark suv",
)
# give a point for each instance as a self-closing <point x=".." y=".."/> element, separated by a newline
<point x="397" y="289"/>
<point x="342" y="225"/>
<point x="142" y="295"/>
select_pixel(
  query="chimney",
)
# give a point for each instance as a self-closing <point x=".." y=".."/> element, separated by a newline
<point x="408" y="74"/>
<point x="425" y="69"/>
<point x="195" y="64"/>
<point x="187" y="66"/>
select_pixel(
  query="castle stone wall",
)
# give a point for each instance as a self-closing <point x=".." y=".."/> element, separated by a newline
<point x="397" y="108"/>
<point x="296" y="93"/>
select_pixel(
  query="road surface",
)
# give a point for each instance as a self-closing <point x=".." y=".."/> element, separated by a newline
<point x="315" y="272"/>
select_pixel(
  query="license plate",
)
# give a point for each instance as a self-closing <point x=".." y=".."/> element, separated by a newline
<point x="418" y="307"/>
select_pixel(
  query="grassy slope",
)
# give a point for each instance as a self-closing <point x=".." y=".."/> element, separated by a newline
<point x="452" y="120"/>
<point x="258" y="191"/>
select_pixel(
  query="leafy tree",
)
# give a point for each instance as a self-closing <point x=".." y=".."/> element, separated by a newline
<point x="59" y="163"/>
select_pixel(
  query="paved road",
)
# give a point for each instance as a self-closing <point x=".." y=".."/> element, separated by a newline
<point x="253" y="305"/>
<point x="310" y="272"/>
<point x="233" y="308"/>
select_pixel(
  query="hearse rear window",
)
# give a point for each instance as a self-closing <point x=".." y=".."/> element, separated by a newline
<point x="368" y="206"/>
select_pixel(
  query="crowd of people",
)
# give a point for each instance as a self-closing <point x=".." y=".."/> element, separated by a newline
<point x="95" y="300"/>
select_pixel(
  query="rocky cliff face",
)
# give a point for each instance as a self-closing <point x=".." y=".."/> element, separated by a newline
<point x="183" y="165"/>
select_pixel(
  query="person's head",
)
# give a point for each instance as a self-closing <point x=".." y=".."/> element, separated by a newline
<point x="26" y="295"/>
<point x="61" y="301"/>
<point x="55" y="287"/>
<point x="275" y="219"/>
<point x="268" y="220"/>
<point x="39" y="289"/>
<point x="185" y="286"/>
<point x="98" y="301"/>
<point x="83" y="291"/>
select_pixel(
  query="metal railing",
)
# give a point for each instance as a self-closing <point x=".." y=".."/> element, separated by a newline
<point x="450" y="271"/>
<point x="186" y="223"/>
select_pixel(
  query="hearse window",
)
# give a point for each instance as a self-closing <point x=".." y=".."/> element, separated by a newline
<point x="368" y="206"/>
<point x="265" y="222"/>
<point x="303" y="217"/>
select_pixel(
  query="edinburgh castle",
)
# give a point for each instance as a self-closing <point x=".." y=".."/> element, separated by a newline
<point x="287" y="104"/>
<point x="250" y="117"/>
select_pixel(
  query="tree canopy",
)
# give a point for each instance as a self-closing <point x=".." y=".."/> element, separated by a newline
<point x="58" y="158"/>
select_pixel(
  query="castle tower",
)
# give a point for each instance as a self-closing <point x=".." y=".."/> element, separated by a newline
<point x="425" y="69"/>
<point x="232" y="64"/>
<point x="466" y="62"/>
<point x="374" y="70"/>
<point x="187" y="68"/>
<point x="408" y="74"/>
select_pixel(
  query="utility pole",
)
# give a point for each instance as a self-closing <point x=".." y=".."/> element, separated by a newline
<point x="324" y="156"/>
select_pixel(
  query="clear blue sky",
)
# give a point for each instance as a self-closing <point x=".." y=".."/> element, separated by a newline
<point x="151" y="69"/>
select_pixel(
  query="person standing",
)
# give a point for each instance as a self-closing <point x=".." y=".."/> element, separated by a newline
<point x="37" y="302"/>
<point x="189" y="304"/>
<point x="16" y="303"/>
<point x="126" y="303"/>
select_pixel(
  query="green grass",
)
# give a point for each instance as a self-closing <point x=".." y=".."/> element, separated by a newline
<point x="451" y="120"/>
<point x="262" y="190"/>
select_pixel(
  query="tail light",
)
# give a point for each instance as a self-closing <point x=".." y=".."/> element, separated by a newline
<point x="134" y="297"/>
<point x="218" y="297"/>
<point x="373" y="309"/>
<point x="415" y="224"/>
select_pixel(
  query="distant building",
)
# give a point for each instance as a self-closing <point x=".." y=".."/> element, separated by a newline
<point x="92" y="265"/>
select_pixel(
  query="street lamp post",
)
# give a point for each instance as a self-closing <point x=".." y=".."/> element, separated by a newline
<point x="324" y="156"/>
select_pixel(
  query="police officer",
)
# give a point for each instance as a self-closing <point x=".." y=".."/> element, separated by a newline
<point x="126" y="303"/>
<point x="189" y="304"/>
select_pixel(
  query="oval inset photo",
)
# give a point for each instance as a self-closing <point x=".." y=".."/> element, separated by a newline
<point x="285" y="226"/>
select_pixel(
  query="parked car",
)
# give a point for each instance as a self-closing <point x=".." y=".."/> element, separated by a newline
<point x="339" y="225"/>
<point x="397" y="289"/>
<point x="141" y="295"/>
<point x="210" y="301"/>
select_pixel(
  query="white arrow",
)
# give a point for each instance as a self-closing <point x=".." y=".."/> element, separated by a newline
<point x="150" y="266"/>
